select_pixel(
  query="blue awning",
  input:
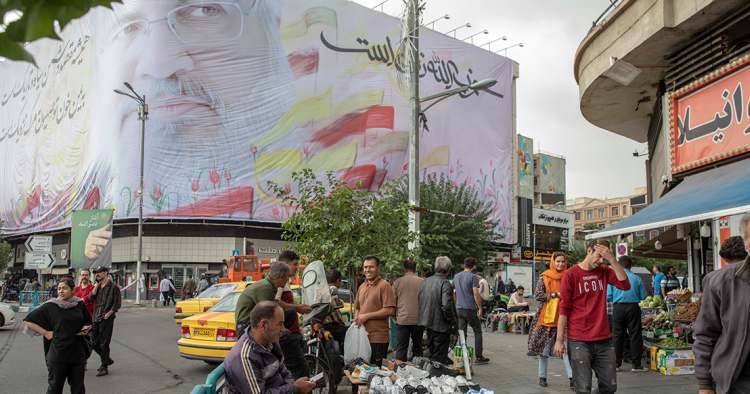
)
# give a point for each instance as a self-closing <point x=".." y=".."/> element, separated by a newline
<point x="711" y="194"/>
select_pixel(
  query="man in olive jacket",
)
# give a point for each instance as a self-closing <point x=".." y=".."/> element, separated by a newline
<point x="263" y="290"/>
<point x="722" y="364"/>
<point x="436" y="310"/>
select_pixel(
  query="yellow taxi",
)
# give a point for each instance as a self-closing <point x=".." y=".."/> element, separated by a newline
<point x="210" y="336"/>
<point x="206" y="299"/>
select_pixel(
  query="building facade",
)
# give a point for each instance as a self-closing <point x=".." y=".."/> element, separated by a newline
<point x="680" y="65"/>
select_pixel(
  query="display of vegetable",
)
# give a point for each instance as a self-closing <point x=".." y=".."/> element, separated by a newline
<point x="672" y="342"/>
<point x="652" y="302"/>
<point x="690" y="311"/>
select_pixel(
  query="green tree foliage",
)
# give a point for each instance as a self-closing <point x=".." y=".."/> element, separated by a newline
<point x="453" y="236"/>
<point x="341" y="225"/>
<point x="38" y="21"/>
<point x="6" y="255"/>
<point x="577" y="253"/>
<point x="591" y="226"/>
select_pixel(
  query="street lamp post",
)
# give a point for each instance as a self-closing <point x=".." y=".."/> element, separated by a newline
<point x="454" y="30"/>
<point x="143" y="117"/>
<point x="489" y="47"/>
<point x="474" y="35"/>
<point x="446" y="16"/>
<point x="520" y="44"/>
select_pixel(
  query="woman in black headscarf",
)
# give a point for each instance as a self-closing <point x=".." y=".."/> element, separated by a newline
<point x="64" y="322"/>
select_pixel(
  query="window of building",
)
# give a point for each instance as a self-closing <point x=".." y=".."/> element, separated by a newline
<point x="547" y="237"/>
<point x="640" y="233"/>
<point x="601" y="225"/>
<point x="615" y="211"/>
<point x="624" y="209"/>
<point x="601" y="212"/>
<point x="578" y="215"/>
<point x="589" y="214"/>
<point x="653" y="234"/>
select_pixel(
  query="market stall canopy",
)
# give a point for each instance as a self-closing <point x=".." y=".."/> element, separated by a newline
<point x="671" y="247"/>
<point x="711" y="194"/>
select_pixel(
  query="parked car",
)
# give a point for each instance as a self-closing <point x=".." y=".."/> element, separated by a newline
<point x="7" y="316"/>
<point x="205" y="300"/>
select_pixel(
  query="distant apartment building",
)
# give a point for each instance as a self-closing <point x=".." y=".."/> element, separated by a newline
<point x="609" y="211"/>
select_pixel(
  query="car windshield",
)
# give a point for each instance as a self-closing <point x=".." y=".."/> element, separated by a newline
<point x="226" y="304"/>
<point x="217" y="291"/>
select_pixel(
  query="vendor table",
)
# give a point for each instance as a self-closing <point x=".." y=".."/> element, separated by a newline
<point x="359" y="386"/>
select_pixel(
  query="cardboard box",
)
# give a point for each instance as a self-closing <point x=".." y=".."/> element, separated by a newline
<point x="458" y="359"/>
<point x="676" y="362"/>
<point x="652" y="334"/>
<point x="674" y="330"/>
<point x="654" y="359"/>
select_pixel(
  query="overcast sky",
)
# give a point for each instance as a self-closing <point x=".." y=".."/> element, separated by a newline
<point x="599" y="163"/>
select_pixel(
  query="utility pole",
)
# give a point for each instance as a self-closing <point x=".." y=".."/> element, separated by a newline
<point x="411" y="46"/>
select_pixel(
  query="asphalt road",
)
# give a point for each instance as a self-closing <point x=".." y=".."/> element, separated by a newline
<point x="144" y="347"/>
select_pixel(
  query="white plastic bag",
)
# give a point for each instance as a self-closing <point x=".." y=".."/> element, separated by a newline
<point x="356" y="344"/>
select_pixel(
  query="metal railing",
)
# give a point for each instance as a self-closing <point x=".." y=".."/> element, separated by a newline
<point x="33" y="298"/>
<point x="610" y="8"/>
<point x="213" y="385"/>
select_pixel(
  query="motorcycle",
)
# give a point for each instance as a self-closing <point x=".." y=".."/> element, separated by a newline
<point x="322" y="352"/>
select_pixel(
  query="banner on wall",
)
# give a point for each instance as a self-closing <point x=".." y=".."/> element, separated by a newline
<point x="91" y="238"/>
<point x="240" y="94"/>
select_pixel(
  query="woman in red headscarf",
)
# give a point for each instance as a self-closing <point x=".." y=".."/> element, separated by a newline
<point x="542" y="337"/>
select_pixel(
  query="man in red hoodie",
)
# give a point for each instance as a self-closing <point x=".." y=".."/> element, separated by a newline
<point x="84" y="289"/>
<point x="583" y="311"/>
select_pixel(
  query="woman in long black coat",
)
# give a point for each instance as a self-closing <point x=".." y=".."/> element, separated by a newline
<point x="63" y="321"/>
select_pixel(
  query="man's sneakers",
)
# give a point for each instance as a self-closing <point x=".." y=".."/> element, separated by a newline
<point x="102" y="371"/>
<point x="617" y="368"/>
<point x="110" y="362"/>
<point x="404" y="371"/>
<point x="440" y="369"/>
<point x="482" y="360"/>
<point x="543" y="382"/>
<point x="572" y="386"/>
<point x="639" y="369"/>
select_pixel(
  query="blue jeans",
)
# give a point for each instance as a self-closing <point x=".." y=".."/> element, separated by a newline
<point x="543" y="366"/>
<point x="596" y="355"/>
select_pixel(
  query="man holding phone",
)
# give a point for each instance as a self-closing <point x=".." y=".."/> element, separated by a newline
<point x="256" y="363"/>
<point x="108" y="302"/>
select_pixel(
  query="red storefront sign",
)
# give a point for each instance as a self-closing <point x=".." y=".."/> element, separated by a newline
<point x="711" y="118"/>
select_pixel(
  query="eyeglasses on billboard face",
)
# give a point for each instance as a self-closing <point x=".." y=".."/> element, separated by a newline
<point x="193" y="24"/>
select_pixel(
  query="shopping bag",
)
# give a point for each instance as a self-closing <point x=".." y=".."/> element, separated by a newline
<point x="551" y="312"/>
<point x="356" y="344"/>
<point x="161" y="297"/>
<point x="458" y="359"/>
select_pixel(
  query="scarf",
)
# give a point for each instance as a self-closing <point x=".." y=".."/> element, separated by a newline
<point x="69" y="304"/>
<point x="553" y="273"/>
<point x="552" y="278"/>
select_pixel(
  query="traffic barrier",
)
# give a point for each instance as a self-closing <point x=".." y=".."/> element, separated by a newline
<point x="212" y="385"/>
<point x="30" y="300"/>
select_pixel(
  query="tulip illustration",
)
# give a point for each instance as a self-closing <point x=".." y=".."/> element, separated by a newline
<point x="288" y="189"/>
<point x="195" y="186"/>
<point x="227" y="176"/>
<point x="157" y="192"/>
<point x="214" y="177"/>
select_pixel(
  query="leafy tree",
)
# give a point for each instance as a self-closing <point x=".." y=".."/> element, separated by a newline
<point x="454" y="236"/>
<point x="6" y="255"/>
<point x="591" y="226"/>
<point x="340" y="225"/>
<point x="577" y="253"/>
<point x="37" y="21"/>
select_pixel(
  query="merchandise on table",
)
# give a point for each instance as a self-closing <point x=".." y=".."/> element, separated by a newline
<point x="673" y="343"/>
<point x="652" y="302"/>
<point x="690" y="311"/>
<point x="413" y="378"/>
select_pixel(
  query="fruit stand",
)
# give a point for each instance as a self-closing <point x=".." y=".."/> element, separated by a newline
<point x="668" y="331"/>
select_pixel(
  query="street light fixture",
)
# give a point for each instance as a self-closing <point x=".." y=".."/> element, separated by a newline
<point x="446" y="16"/>
<point x="489" y="47"/>
<point x="143" y="117"/>
<point x="520" y="44"/>
<point x="474" y="35"/>
<point x="454" y="30"/>
<point x="414" y="148"/>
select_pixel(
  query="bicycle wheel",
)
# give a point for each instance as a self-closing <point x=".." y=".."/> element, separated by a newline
<point x="317" y="365"/>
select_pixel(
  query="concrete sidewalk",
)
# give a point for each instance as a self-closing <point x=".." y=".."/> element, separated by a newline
<point x="511" y="371"/>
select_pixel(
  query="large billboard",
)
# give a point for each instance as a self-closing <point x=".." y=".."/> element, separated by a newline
<point x="240" y="93"/>
<point x="90" y="238"/>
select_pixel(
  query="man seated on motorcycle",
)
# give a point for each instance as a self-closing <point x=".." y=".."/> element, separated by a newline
<point x="256" y="363"/>
<point x="335" y="321"/>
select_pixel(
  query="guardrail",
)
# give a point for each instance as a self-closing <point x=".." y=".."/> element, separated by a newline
<point x="212" y="385"/>
<point x="32" y="299"/>
<point x="612" y="6"/>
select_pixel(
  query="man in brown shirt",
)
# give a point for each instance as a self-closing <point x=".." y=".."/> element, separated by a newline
<point x="375" y="303"/>
<point x="406" y="290"/>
